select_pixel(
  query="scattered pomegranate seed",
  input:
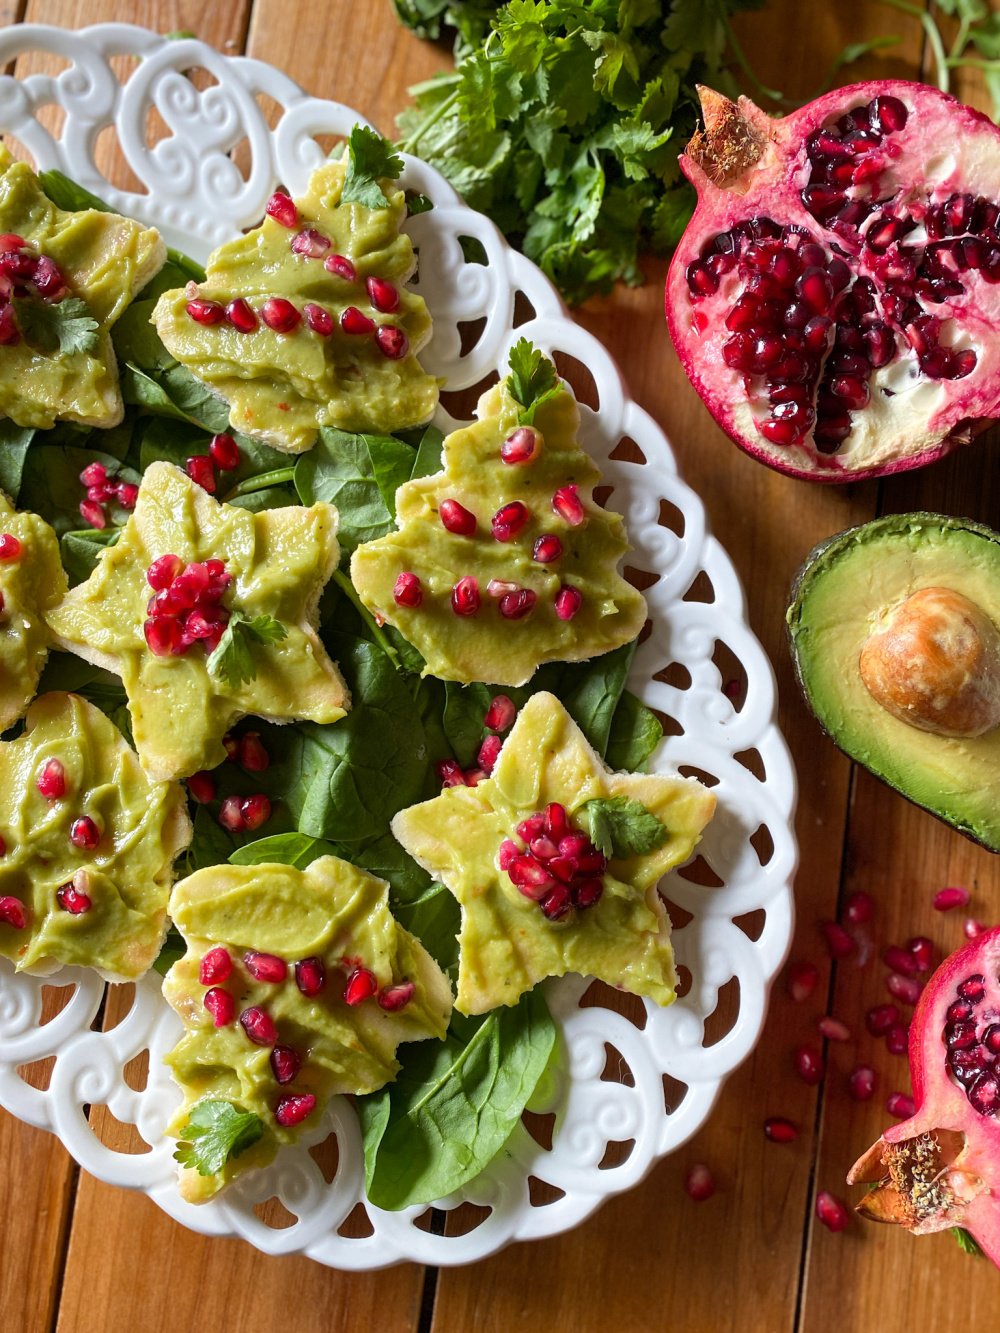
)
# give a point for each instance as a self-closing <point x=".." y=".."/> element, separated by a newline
<point x="921" y="950"/>
<point x="93" y="474"/>
<point x="265" y="966"/>
<point x="879" y="1020"/>
<point x="509" y="520"/>
<point x="859" y="908"/>
<point x="127" y="493"/>
<point x="91" y="513"/>
<point x="465" y="597"/>
<point x="897" y="1039"/>
<point x="224" y="452"/>
<point x="972" y="928"/>
<point x="946" y="899"/>
<point x="392" y="342"/>
<point x="779" y="1130"/>
<point x="259" y="1026"/>
<point x="361" y="985"/>
<point x="809" y="1065"/>
<point x="382" y="294"/>
<point x="10" y="547"/>
<point x="255" y="811"/>
<point x="206" y="312"/>
<point x="215" y="966"/>
<point x="51" y="781"/>
<point x="163" y="571"/>
<point x="567" y="504"/>
<point x="456" y="518"/>
<point x="293" y="1109"/>
<point x="101" y="493"/>
<point x="280" y="315"/>
<point x="831" y="1212"/>
<point x="199" y="469"/>
<point x="521" y="446"/>
<point x="285" y="1063"/>
<point x="838" y="941"/>
<point x="547" y="549"/>
<point x="407" y="590"/>
<point x="489" y="753"/>
<point x="517" y="604"/>
<point x="472" y="777"/>
<point x="202" y="786"/>
<point x="801" y="981"/>
<point x="163" y="636"/>
<point x="903" y="988"/>
<point x="310" y="244"/>
<point x="500" y="715"/>
<point x="394" y="998"/>
<point x="568" y="602"/>
<point x="352" y="321"/>
<point x="341" y="266"/>
<point x="231" y="815"/>
<point x="861" y="1084"/>
<point x="310" y="976"/>
<point x="450" y="773"/>
<point x="699" y="1183"/>
<point x="73" y="900"/>
<point x="832" y="1029"/>
<point x="241" y="316"/>
<point x="253" y="756"/>
<point x="232" y="747"/>
<point x="318" y="319"/>
<point x="13" y="913"/>
<point x="899" y="959"/>
<point x="899" y="1105"/>
<point x="84" y="833"/>
<point x="10" y="334"/>
<point x="282" y="209"/>
<point x="498" y="588"/>
<point x="221" y="1005"/>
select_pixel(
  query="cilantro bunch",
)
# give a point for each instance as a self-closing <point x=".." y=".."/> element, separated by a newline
<point x="563" y="121"/>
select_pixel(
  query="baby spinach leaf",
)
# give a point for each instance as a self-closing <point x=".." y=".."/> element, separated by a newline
<point x="464" y="710"/>
<point x="454" y="1103"/>
<point x="268" y="497"/>
<point x="386" y="858"/>
<point x="635" y="734"/>
<point x="435" y="918"/>
<point x="288" y="849"/>
<point x="210" y="843"/>
<point x="427" y="440"/>
<point x="338" y="469"/>
<point x="173" y="948"/>
<point x="145" y="391"/>
<point x="214" y="1133"/>
<point x="135" y="339"/>
<point x="14" y="444"/>
<point x="66" y="671"/>
<point x="392" y="464"/>
<point x="80" y="550"/>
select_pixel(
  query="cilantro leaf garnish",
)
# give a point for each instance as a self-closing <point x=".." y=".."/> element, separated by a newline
<point x="216" y="1131"/>
<point x="533" y="379"/>
<point x="66" y="327"/>
<point x="369" y="157"/>
<point x="622" y="827"/>
<point x="232" y="659"/>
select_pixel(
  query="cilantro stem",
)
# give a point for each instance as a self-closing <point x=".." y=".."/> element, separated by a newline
<point x="933" y="37"/>
<point x="958" y="45"/>
<point x="744" y="64"/>
<point x="407" y="145"/>
<point x="261" y="482"/>
<point x="349" y="590"/>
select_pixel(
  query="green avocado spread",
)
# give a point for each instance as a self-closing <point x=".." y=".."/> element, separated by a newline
<point x="104" y="260"/>
<point x="125" y="878"/>
<point x="32" y="581"/>
<point x="278" y="560"/>
<point x="332" y="913"/>
<point x="506" y="944"/>
<point x="282" y="386"/>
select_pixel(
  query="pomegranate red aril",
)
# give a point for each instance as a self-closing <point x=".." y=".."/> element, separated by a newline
<point x="861" y="1084"/>
<point x="318" y="319"/>
<point x="899" y="1105"/>
<point x="253" y="756"/>
<point x="13" y="913"/>
<point x="517" y="604"/>
<point x="879" y="1020"/>
<point x="382" y="294"/>
<point x="353" y="322"/>
<point x="162" y="572"/>
<point x="361" y="985"/>
<point x="508" y="521"/>
<point x="164" y="637"/>
<point x="699" y="1183"/>
<point x="972" y="929"/>
<point x="557" y="903"/>
<point x="407" y="590"/>
<point x="84" y="834"/>
<point x="310" y="244"/>
<point x="224" y="453"/>
<point x="456" y="518"/>
<point x="221" y="1005"/>
<point x="392" y="342"/>
<point x="232" y="747"/>
<point x="241" y="316"/>
<point x="921" y="950"/>
<point x="450" y="773"/>
<point x="465" y="597"/>
<point x="206" y="312"/>
<point x="521" y="446"/>
<point x="10" y="547"/>
<point x="215" y="966"/>
<point x="127" y="493"/>
<point x="282" y="209"/>
<point x="780" y="1130"/>
<point x="92" y="514"/>
<point x="568" y="505"/>
<point x="489" y="753"/>
<point x="543" y="848"/>
<point x="531" y="828"/>
<point x="501" y="714"/>
<point x="859" y="908"/>
<point x="472" y="777"/>
<point x="231" y="815"/>
<point x="568" y="602"/>
<point x="897" y="1039"/>
<point x="285" y="1064"/>
<point x="815" y="288"/>
<point x="280" y="315"/>
<point x="94" y="474"/>
<point x="10" y="334"/>
<point x="259" y="1026"/>
<point x="199" y="469"/>
<point x="832" y="1029"/>
<point x="265" y="966"/>
<point x="586" y="893"/>
<point x="255" y="811"/>
<point x="73" y="899"/>
<point x="51" y="780"/>
<point x="839" y="943"/>
<point x="801" y="980"/>
<point x="394" y="998"/>
<point x="831" y="1212"/>
<point x="809" y="1065"/>
<point x="899" y="960"/>
<point x="903" y="988"/>
<point x="292" y="1109"/>
<point x="341" y="267"/>
<point x="310" y="976"/>
<point x="508" y="854"/>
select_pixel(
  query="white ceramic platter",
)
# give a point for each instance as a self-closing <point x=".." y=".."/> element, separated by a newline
<point x="198" y="198"/>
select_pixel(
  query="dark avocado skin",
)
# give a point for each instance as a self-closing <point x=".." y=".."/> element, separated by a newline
<point x="814" y="563"/>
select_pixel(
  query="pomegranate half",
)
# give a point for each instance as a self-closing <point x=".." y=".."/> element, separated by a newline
<point x="835" y="297"/>
<point x="941" y="1168"/>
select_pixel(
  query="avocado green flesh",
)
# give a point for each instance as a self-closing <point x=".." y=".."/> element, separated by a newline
<point x="30" y="585"/>
<point x="283" y="386"/>
<point x="101" y="256"/>
<point x="144" y="826"/>
<point x="846" y="587"/>
<point x="486" y="647"/>
<point x="334" y="911"/>
<point x="506" y="943"/>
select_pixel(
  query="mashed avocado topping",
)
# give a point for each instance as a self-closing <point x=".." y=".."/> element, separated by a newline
<point x="89" y="844"/>
<point x="31" y="582"/>
<point x="58" y="364"/>
<point x="296" y="986"/>
<point x="305" y="322"/>
<point x="277" y="560"/>
<point x="507" y="944"/>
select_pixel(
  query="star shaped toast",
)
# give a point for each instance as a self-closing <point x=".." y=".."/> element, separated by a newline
<point x="296" y="986"/>
<point x="89" y="845"/>
<point x="273" y="568"/>
<point x="63" y="289"/>
<point x="621" y="932"/>
<point x="32" y="581"/>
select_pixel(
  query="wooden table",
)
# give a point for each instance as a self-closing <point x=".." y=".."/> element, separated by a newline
<point x="77" y="1255"/>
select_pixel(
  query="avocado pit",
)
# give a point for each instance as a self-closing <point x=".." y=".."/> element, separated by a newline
<point x="934" y="663"/>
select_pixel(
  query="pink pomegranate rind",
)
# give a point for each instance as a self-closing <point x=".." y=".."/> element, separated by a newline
<point x="903" y="201"/>
<point x="941" y="1167"/>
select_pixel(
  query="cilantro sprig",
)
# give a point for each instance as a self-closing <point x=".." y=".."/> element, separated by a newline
<point x="369" y="158"/>
<point x="532" y="380"/>
<point x="66" y="327"/>
<point x="214" y="1133"/>
<point x="621" y="827"/>
<point x="233" y="659"/>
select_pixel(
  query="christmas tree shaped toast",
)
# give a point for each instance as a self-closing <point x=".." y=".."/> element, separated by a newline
<point x="503" y="560"/>
<point x="32" y="582"/>
<point x="554" y="861"/>
<point x="304" y="321"/>
<point x="296" y="986"/>
<point x="88" y="845"/>
<point x="207" y="612"/>
<point x="65" y="278"/>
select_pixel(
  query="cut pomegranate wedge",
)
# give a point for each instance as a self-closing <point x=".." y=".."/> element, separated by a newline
<point x="941" y="1167"/>
<point x="834" y="297"/>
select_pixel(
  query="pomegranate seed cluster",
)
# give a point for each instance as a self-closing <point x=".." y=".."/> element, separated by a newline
<point x="972" y="1041"/>
<point x="102" y="488"/>
<point x="237" y="814"/>
<point x="185" y="607"/>
<point x="499" y="717"/>
<point x="808" y="328"/>
<point x="25" y="274"/>
<point x="554" y="865"/>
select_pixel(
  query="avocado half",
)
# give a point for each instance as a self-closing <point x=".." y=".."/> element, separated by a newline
<point x="844" y="587"/>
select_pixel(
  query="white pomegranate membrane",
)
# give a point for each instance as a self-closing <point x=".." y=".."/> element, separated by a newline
<point x="834" y="295"/>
